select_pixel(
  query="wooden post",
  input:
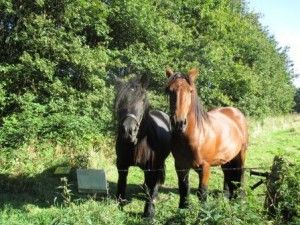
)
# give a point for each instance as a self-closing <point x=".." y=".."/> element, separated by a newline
<point x="274" y="182"/>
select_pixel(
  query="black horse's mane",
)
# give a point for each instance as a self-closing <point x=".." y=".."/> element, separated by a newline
<point x="129" y="93"/>
<point x="198" y="106"/>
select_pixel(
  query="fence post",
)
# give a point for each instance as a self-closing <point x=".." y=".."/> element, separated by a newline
<point x="274" y="182"/>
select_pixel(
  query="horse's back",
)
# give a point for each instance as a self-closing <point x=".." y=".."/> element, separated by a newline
<point x="237" y="116"/>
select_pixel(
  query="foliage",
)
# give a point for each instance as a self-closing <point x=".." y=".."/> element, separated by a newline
<point x="58" y="59"/>
<point x="53" y="76"/>
<point x="283" y="196"/>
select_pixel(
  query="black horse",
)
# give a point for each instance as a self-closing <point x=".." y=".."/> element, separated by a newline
<point x="143" y="139"/>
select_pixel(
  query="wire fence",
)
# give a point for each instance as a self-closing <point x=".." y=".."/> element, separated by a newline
<point x="200" y="169"/>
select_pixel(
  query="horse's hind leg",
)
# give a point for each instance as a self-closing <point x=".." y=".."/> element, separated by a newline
<point x="233" y="175"/>
<point x="152" y="185"/>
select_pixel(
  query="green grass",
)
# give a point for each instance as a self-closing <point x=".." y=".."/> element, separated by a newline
<point x="29" y="192"/>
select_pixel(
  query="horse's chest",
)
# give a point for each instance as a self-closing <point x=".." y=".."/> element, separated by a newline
<point x="190" y="153"/>
<point x="142" y="154"/>
<point x="183" y="153"/>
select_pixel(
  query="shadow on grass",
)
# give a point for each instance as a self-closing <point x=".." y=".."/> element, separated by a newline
<point x="43" y="189"/>
<point x="137" y="191"/>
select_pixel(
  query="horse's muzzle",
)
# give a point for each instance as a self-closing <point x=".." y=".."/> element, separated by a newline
<point x="180" y="125"/>
<point x="130" y="133"/>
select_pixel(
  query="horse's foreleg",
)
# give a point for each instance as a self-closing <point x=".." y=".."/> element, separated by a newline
<point x="204" y="174"/>
<point x="152" y="185"/>
<point x="183" y="184"/>
<point x="122" y="182"/>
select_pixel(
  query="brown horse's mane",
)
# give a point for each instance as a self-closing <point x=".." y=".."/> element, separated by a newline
<point x="198" y="108"/>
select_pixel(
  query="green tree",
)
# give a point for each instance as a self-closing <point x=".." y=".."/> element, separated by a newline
<point x="53" y="70"/>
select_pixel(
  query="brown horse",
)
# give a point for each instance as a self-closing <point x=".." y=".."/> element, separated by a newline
<point x="203" y="139"/>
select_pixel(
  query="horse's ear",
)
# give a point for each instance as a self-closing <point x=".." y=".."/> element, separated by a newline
<point x="169" y="72"/>
<point x="144" y="81"/>
<point x="193" y="73"/>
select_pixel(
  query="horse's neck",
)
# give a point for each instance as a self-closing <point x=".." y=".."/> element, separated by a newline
<point x="195" y="126"/>
<point x="144" y="125"/>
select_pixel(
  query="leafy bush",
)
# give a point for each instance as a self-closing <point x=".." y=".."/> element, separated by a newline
<point x="53" y="76"/>
<point x="283" y="196"/>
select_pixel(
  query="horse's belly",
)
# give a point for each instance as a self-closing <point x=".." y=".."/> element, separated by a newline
<point x="225" y="155"/>
<point x="221" y="159"/>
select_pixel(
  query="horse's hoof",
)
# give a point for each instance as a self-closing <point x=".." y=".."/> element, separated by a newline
<point x="149" y="211"/>
<point x="238" y="194"/>
<point x="149" y="214"/>
<point x="202" y="197"/>
<point x="122" y="202"/>
<point x="183" y="205"/>
<point x="226" y="194"/>
<point x="242" y="194"/>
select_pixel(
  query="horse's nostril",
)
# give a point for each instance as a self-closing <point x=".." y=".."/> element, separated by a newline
<point x="181" y="125"/>
<point x="132" y="131"/>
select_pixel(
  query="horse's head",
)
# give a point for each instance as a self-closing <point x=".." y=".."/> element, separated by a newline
<point x="181" y="90"/>
<point x="131" y="103"/>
